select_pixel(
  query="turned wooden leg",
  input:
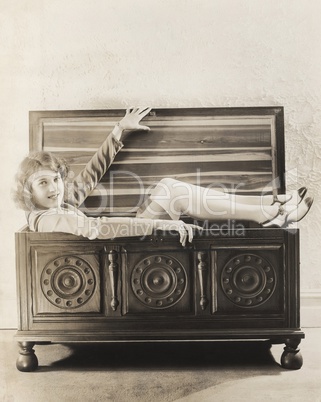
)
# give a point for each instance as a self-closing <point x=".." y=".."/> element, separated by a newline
<point x="291" y="357"/>
<point x="27" y="360"/>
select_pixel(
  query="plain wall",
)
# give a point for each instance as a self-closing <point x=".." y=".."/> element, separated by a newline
<point x="80" y="54"/>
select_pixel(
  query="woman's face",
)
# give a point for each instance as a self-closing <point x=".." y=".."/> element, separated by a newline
<point x="47" y="189"/>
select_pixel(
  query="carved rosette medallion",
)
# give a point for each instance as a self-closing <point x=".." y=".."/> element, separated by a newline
<point x="68" y="282"/>
<point x="248" y="280"/>
<point x="159" y="281"/>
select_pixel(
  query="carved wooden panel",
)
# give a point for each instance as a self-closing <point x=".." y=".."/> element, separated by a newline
<point x="251" y="281"/>
<point x="159" y="282"/>
<point x="248" y="280"/>
<point x="66" y="281"/>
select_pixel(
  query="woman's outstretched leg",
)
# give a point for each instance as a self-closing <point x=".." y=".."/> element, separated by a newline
<point x="172" y="197"/>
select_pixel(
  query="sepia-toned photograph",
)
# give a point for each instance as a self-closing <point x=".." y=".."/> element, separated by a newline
<point x="160" y="212"/>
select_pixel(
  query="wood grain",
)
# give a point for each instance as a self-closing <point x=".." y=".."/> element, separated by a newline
<point x="204" y="147"/>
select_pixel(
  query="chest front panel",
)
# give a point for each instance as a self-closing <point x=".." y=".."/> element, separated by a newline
<point x="226" y="283"/>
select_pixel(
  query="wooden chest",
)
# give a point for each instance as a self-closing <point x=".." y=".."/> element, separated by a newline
<point x="234" y="281"/>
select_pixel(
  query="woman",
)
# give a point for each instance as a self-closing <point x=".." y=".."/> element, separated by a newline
<point x="52" y="202"/>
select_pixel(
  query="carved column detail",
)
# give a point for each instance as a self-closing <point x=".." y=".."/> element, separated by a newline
<point x="113" y="269"/>
<point x="202" y="276"/>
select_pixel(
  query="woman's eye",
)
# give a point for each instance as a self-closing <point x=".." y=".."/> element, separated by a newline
<point x="43" y="183"/>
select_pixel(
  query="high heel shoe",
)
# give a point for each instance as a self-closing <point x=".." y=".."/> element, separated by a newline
<point x="296" y="197"/>
<point x="283" y="217"/>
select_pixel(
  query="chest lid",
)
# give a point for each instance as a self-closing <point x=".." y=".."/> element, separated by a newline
<point x="237" y="150"/>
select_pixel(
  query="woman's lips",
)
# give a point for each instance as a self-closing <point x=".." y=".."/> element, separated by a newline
<point x="54" y="196"/>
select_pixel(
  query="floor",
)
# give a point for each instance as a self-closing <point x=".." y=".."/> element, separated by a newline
<point x="187" y="372"/>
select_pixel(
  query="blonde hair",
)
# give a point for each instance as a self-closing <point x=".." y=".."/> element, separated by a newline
<point x="34" y="162"/>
